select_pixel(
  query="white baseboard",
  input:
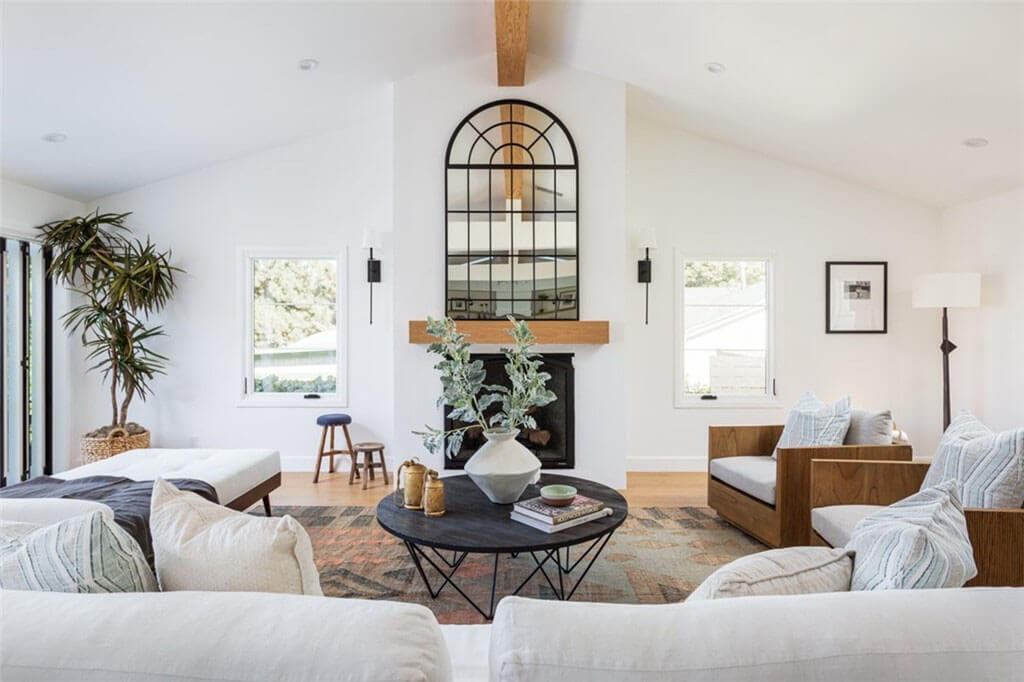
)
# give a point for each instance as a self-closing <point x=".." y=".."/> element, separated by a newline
<point x="655" y="464"/>
<point x="300" y="463"/>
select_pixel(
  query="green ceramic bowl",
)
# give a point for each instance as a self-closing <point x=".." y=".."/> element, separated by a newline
<point x="558" y="495"/>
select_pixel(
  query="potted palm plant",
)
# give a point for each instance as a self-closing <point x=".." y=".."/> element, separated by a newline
<point x="503" y="467"/>
<point x="120" y="282"/>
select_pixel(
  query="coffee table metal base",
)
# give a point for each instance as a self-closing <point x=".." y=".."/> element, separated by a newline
<point x="563" y="590"/>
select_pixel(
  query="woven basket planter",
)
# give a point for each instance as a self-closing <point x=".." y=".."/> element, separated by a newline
<point x="116" y="442"/>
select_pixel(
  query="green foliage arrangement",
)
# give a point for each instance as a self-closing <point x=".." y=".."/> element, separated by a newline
<point x="463" y="388"/>
<point x="122" y="281"/>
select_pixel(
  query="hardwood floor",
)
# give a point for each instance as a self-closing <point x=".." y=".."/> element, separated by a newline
<point x="643" y="489"/>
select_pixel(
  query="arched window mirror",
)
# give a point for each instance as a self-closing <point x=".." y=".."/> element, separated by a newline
<point x="512" y="218"/>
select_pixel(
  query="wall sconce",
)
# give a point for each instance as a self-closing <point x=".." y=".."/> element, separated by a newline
<point x="371" y="241"/>
<point x="648" y="240"/>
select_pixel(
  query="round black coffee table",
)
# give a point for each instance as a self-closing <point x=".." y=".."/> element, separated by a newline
<point x="473" y="524"/>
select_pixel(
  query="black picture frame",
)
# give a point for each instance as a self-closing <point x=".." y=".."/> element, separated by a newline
<point x="857" y="289"/>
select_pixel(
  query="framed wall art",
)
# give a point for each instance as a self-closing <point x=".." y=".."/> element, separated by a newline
<point x="856" y="297"/>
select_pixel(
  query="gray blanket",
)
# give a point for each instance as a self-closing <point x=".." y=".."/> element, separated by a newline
<point x="129" y="499"/>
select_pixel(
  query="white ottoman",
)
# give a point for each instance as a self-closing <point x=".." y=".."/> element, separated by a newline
<point x="240" y="477"/>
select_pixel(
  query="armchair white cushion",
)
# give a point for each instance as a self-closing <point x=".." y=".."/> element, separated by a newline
<point x="753" y="475"/>
<point x="835" y="523"/>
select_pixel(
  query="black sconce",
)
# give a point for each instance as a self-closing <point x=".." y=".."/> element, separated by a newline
<point x="647" y="241"/>
<point x="371" y="241"/>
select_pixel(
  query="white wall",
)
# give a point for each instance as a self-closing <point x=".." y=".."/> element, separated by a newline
<point x="22" y="209"/>
<point x="317" y="193"/>
<point x="709" y="198"/>
<point x="987" y="371"/>
<point x="427" y="109"/>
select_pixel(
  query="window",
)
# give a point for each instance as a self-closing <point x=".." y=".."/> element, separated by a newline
<point x="511" y="215"/>
<point x="724" y="332"/>
<point x="294" y="340"/>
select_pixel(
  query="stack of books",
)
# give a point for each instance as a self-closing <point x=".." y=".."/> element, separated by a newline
<point x="535" y="512"/>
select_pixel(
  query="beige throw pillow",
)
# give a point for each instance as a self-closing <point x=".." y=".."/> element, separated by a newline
<point x="199" y="545"/>
<point x="790" y="570"/>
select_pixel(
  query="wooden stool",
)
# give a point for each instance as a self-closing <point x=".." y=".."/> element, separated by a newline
<point x="330" y="421"/>
<point x="368" y="465"/>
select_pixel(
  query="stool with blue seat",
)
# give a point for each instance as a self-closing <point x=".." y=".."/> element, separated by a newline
<point x="331" y="421"/>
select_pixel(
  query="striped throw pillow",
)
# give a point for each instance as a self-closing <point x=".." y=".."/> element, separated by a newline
<point x="85" y="553"/>
<point x="812" y="422"/>
<point x="988" y="466"/>
<point x="918" y="543"/>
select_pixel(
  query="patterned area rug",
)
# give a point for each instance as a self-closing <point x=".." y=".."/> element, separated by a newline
<point x="659" y="555"/>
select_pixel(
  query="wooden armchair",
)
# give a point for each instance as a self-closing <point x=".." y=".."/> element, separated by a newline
<point x="997" y="535"/>
<point x="786" y="522"/>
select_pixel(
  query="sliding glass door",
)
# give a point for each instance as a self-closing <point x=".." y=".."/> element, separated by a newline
<point x="26" y="375"/>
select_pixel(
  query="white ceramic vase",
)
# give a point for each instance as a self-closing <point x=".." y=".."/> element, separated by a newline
<point x="503" y="467"/>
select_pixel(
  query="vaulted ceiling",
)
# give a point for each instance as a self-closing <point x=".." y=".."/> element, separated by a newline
<point x="881" y="94"/>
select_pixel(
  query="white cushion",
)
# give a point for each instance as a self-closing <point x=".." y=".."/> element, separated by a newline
<point x="467" y="647"/>
<point x="85" y="553"/>
<point x="812" y="422"/>
<point x="46" y="510"/>
<point x="835" y="523"/>
<point x="217" y="637"/>
<point x="199" y="545"/>
<point x="989" y="466"/>
<point x="790" y="570"/>
<point x="753" y="475"/>
<point x="920" y="542"/>
<point x="231" y="472"/>
<point x="935" y="635"/>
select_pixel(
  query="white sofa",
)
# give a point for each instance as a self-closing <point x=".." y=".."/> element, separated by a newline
<point x="935" y="635"/>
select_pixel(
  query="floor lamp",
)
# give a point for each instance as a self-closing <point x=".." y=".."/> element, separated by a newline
<point x="947" y="290"/>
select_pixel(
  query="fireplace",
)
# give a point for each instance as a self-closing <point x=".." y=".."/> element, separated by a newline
<point x="553" y="439"/>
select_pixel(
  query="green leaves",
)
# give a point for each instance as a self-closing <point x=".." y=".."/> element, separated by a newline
<point x="463" y="388"/>
<point x="123" y="281"/>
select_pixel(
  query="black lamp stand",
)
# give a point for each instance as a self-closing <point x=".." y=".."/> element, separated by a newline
<point x="947" y="347"/>
<point x="643" y="276"/>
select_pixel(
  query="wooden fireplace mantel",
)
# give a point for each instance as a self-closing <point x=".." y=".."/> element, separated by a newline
<point x="548" y="332"/>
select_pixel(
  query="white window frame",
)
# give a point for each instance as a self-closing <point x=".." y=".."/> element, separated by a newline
<point x="684" y="400"/>
<point x="248" y="398"/>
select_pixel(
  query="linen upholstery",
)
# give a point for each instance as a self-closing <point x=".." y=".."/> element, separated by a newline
<point x="199" y="545"/>
<point x="753" y="475"/>
<point x="917" y="543"/>
<point x="813" y="422"/>
<point x="44" y="511"/>
<point x="934" y="635"/>
<point x="791" y="570"/>
<point x="84" y="553"/>
<point x="989" y="466"/>
<point x="869" y="428"/>
<point x="218" y="637"/>
<point x="835" y="523"/>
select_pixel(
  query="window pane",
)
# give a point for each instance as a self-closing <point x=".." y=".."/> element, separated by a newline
<point x="295" y="335"/>
<point x="725" y="328"/>
<point x="725" y="282"/>
<point x="725" y="372"/>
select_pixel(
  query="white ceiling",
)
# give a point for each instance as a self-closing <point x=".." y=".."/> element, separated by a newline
<point x="882" y="94"/>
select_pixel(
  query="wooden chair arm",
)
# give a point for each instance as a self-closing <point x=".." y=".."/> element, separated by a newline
<point x="733" y="441"/>
<point x="997" y="536"/>
<point x="844" y="481"/>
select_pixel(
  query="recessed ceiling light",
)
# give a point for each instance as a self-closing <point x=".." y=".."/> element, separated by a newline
<point x="715" y="67"/>
<point x="55" y="137"/>
<point x="308" y="64"/>
<point x="975" y="142"/>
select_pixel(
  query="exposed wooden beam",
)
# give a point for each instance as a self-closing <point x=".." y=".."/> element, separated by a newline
<point x="510" y="20"/>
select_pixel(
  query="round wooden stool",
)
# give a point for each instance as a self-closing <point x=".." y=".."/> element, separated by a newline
<point x="328" y="422"/>
<point x="367" y="449"/>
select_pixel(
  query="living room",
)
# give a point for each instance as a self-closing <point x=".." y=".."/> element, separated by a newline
<point x="729" y="205"/>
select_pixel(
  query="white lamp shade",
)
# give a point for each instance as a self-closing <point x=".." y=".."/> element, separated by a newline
<point x="947" y="290"/>
<point x="647" y="238"/>
<point x="371" y="240"/>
